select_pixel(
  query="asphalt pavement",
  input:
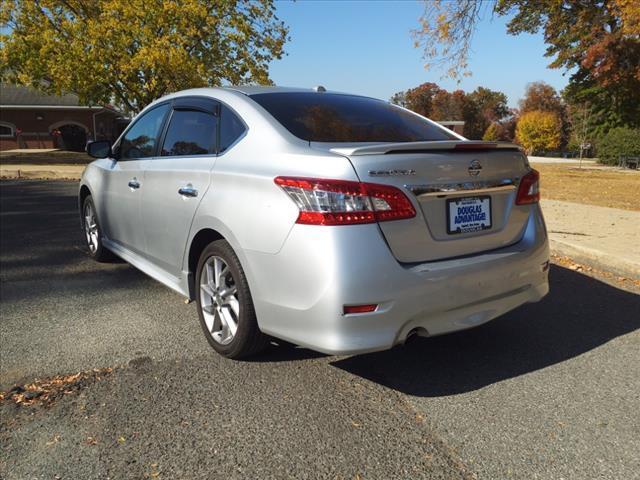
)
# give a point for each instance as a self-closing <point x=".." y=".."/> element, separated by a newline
<point x="549" y="391"/>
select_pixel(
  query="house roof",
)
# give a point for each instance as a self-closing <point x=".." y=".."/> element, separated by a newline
<point x="22" y="95"/>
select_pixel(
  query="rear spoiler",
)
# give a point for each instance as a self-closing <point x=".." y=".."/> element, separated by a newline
<point x="426" y="147"/>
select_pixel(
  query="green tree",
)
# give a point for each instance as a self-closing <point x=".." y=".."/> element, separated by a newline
<point x="133" y="52"/>
<point x="618" y="142"/>
<point x="538" y="131"/>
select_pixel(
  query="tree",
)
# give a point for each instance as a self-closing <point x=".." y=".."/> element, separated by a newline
<point x="477" y="109"/>
<point x="133" y="52"/>
<point x="399" y="98"/>
<point x="610" y="107"/>
<point x="580" y="120"/>
<point x="597" y="40"/>
<point x="420" y="99"/>
<point x="618" y="142"/>
<point x="542" y="97"/>
<point x="595" y="34"/>
<point x="538" y="131"/>
<point x="448" y="105"/>
<point x="484" y="107"/>
<point x="492" y="134"/>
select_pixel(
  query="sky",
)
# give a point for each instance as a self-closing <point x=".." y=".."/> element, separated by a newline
<point x="366" y="47"/>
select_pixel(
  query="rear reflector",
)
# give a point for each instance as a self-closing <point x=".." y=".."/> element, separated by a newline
<point x="348" y="309"/>
<point x="529" y="189"/>
<point x="343" y="202"/>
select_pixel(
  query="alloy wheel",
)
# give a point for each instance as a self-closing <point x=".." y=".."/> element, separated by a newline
<point x="91" y="227"/>
<point x="219" y="300"/>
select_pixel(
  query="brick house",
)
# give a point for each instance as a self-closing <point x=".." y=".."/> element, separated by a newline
<point x="32" y="119"/>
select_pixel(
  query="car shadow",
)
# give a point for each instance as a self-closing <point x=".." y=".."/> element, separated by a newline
<point x="579" y="314"/>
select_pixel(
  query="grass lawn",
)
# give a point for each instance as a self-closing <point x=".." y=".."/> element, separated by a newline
<point x="45" y="158"/>
<point x="593" y="185"/>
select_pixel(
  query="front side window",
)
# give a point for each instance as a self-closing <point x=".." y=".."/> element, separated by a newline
<point x="231" y="128"/>
<point x="327" y="117"/>
<point x="190" y="132"/>
<point x="140" y="141"/>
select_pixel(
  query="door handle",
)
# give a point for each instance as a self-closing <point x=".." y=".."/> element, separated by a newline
<point x="134" y="184"/>
<point x="188" y="192"/>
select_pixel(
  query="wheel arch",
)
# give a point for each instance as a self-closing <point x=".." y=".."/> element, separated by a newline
<point x="82" y="195"/>
<point x="199" y="242"/>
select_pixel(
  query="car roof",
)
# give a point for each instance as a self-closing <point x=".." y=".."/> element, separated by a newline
<point x="255" y="89"/>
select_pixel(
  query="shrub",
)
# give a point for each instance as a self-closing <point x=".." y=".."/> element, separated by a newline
<point x="618" y="142"/>
<point x="539" y="131"/>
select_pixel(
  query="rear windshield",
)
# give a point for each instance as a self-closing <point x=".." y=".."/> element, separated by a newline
<point x="326" y="117"/>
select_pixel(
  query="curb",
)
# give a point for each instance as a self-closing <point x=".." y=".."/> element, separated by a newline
<point x="596" y="259"/>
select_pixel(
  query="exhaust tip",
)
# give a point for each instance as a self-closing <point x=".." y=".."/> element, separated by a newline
<point x="416" y="332"/>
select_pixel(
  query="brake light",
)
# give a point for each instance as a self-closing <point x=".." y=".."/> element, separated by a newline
<point x="342" y="202"/>
<point x="475" y="146"/>
<point x="529" y="189"/>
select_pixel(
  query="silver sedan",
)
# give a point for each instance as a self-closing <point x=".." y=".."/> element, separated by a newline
<point x="337" y="222"/>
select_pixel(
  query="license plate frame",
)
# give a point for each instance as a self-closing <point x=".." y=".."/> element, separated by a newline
<point x="469" y="227"/>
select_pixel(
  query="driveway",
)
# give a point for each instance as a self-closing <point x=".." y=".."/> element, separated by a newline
<point x="551" y="390"/>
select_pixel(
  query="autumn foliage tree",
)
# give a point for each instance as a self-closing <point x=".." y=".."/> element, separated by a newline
<point x="542" y="97"/>
<point x="538" y="131"/>
<point x="597" y="40"/>
<point x="132" y="52"/>
<point x="420" y="98"/>
<point x="477" y="109"/>
<point x="492" y="133"/>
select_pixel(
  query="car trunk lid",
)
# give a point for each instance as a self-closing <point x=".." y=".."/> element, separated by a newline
<point x="464" y="193"/>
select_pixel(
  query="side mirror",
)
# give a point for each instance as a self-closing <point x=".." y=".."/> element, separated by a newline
<point x="99" y="149"/>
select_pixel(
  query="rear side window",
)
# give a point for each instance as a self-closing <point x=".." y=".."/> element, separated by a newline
<point x="326" y="117"/>
<point x="190" y="132"/>
<point x="140" y="140"/>
<point x="231" y="128"/>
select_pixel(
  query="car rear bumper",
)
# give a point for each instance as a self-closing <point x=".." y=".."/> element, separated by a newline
<point x="300" y="293"/>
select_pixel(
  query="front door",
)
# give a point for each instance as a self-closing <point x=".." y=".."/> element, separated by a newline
<point x="125" y="181"/>
<point x="177" y="179"/>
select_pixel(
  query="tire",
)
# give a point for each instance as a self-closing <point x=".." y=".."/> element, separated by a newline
<point x="225" y="307"/>
<point x="93" y="232"/>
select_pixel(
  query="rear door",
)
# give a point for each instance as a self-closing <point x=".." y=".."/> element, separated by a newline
<point x="464" y="194"/>
<point x="177" y="179"/>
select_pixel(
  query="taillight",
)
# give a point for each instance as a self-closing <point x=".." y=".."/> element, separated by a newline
<point x="342" y="202"/>
<point x="529" y="189"/>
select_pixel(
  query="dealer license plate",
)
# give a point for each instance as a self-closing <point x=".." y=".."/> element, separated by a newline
<point x="468" y="214"/>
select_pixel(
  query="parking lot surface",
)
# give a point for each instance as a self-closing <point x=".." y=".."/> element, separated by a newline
<point x="551" y="390"/>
